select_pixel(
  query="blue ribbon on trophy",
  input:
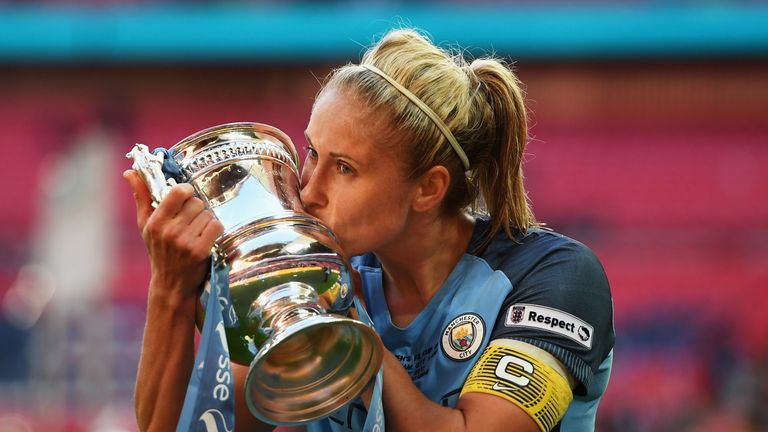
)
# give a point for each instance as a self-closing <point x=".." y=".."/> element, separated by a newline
<point x="374" y="421"/>
<point x="209" y="402"/>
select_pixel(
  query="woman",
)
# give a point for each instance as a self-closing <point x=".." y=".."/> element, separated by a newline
<point x="490" y="322"/>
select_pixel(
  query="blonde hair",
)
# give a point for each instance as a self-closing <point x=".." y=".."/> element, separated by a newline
<point x="480" y="102"/>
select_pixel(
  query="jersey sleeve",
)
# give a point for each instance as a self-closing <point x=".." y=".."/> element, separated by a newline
<point x="561" y="303"/>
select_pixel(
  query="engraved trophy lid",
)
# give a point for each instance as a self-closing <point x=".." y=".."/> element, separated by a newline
<point x="223" y="143"/>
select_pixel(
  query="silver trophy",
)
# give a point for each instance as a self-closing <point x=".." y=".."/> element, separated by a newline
<point x="289" y="283"/>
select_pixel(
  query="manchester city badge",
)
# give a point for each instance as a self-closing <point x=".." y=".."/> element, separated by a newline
<point x="463" y="336"/>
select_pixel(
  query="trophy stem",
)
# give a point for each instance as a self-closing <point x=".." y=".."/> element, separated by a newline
<point x="280" y="306"/>
<point x="312" y="362"/>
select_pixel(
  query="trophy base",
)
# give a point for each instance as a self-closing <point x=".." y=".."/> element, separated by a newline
<point x="310" y="368"/>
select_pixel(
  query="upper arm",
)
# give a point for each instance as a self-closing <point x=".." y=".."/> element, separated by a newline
<point x="514" y="383"/>
<point x="489" y="413"/>
<point x="559" y="316"/>
<point x="562" y="304"/>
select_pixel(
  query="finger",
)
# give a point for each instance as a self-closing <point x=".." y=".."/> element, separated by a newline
<point x="199" y="223"/>
<point x="173" y="202"/>
<point x="189" y="211"/>
<point x="212" y="231"/>
<point x="141" y="196"/>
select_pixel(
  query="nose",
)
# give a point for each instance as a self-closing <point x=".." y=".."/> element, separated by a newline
<point x="312" y="193"/>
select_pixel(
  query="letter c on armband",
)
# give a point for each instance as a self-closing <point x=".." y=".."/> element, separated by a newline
<point x="529" y="383"/>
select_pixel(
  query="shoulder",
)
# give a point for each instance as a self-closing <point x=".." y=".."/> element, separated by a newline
<point x="541" y="253"/>
<point x="555" y="271"/>
<point x="560" y="301"/>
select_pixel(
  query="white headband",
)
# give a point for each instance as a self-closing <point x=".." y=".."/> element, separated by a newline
<point x="426" y="110"/>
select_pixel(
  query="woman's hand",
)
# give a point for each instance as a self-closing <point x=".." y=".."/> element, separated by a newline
<point x="179" y="235"/>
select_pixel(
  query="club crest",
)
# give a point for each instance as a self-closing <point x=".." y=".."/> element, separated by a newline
<point x="463" y="336"/>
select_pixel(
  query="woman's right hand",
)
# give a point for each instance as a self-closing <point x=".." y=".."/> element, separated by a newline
<point x="179" y="235"/>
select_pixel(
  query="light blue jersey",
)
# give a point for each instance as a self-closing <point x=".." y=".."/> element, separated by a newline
<point x="512" y="290"/>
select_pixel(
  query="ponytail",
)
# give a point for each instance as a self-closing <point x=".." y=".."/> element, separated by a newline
<point x="500" y="181"/>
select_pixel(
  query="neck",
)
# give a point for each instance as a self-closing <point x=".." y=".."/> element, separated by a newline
<point x="416" y="266"/>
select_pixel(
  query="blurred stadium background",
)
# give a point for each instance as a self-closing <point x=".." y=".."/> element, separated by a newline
<point x="650" y="145"/>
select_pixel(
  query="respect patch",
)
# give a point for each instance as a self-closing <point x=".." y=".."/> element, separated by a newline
<point x="551" y="320"/>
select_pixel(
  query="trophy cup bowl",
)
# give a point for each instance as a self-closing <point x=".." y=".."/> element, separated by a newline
<point x="290" y="285"/>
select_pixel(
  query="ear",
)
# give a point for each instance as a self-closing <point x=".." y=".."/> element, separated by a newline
<point x="432" y="187"/>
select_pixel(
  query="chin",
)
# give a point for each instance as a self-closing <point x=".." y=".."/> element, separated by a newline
<point x="348" y="251"/>
<point x="350" y="248"/>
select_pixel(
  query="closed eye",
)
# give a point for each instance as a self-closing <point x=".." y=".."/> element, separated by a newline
<point x="311" y="152"/>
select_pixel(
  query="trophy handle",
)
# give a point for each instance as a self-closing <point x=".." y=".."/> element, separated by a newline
<point x="150" y="168"/>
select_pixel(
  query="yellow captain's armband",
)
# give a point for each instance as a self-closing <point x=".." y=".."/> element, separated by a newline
<point x="529" y="383"/>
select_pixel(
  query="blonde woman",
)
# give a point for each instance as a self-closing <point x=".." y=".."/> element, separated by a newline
<point x="490" y="322"/>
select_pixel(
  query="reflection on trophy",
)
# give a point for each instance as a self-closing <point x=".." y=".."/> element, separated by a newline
<point x="289" y="283"/>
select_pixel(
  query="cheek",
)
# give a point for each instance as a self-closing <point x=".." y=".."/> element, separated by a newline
<point x="364" y="224"/>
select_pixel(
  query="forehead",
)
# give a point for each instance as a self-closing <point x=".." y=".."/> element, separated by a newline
<point x="341" y="120"/>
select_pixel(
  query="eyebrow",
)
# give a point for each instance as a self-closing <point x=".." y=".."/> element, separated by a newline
<point x="335" y="155"/>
